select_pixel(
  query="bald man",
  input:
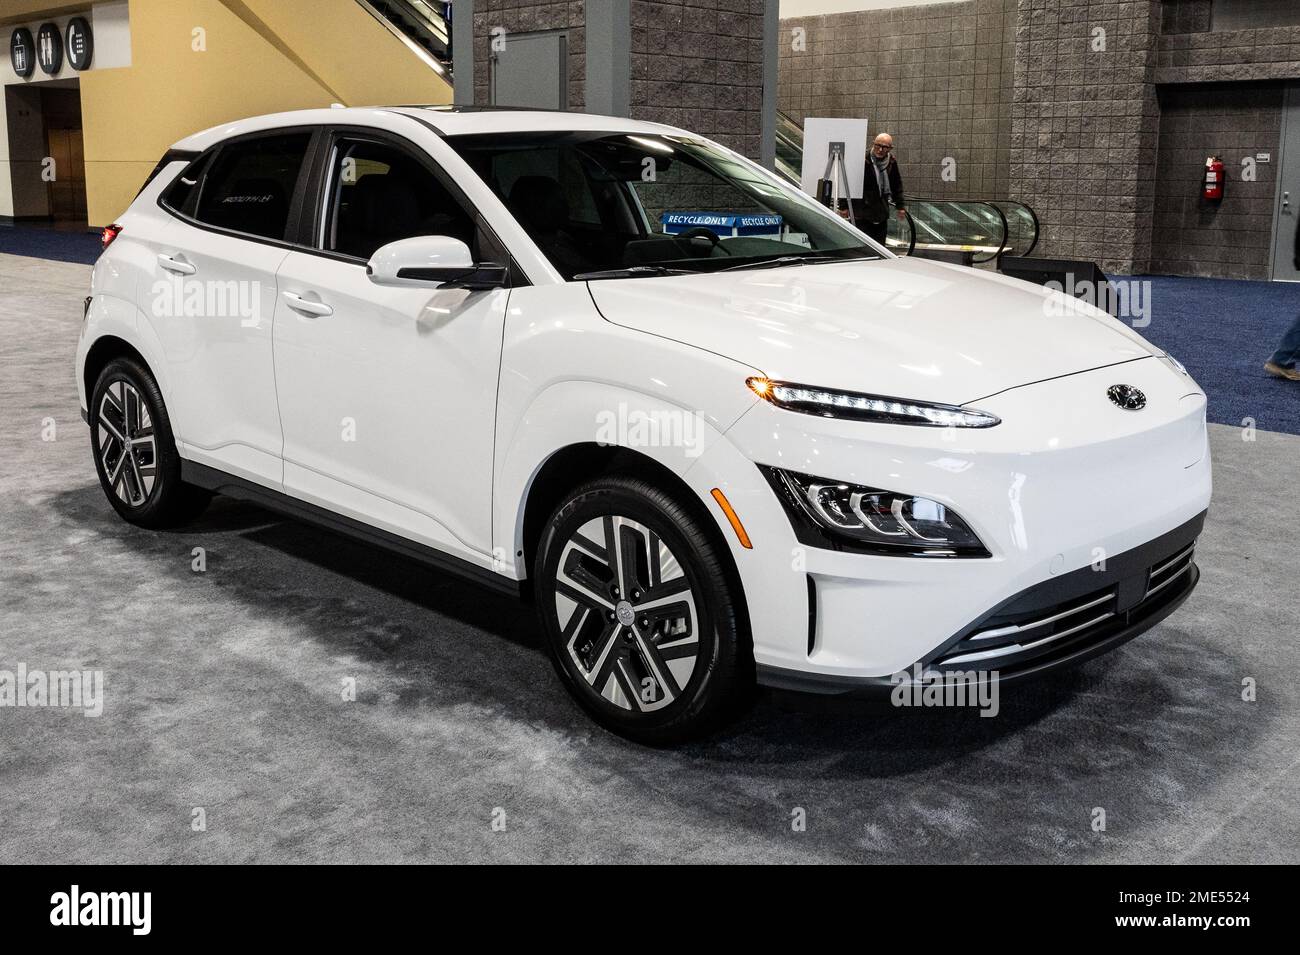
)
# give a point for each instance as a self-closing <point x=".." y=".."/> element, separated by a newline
<point x="881" y="187"/>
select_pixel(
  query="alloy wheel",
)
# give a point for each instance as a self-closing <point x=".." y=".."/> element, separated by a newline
<point x="627" y="612"/>
<point x="126" y="443"/>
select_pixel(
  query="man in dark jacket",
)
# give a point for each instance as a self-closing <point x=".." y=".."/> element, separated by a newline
<point x="1285" y="362"/>
<point x="881" y="187"/>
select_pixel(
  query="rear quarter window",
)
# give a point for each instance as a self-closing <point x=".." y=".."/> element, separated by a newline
<point x="183" y="194"/>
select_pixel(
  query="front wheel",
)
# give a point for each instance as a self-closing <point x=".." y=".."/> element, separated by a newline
<point x="639" y="613"/>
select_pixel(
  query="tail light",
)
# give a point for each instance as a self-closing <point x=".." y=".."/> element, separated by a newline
<point x="106" y="237"/>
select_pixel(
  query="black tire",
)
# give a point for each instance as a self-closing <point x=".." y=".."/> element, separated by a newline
<point x="164" y="501"/>
<point x="670" y="707"/>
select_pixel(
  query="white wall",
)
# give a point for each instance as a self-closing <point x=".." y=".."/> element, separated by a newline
<point x="812" y="8"/>
<point x="111" y="23"/>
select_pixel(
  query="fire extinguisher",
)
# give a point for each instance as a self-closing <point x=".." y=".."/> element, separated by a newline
<point x="1215" y="176"/>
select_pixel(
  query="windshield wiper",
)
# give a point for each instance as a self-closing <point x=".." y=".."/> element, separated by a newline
<point x="633" y="272"/>
<point x="784" y="260"/>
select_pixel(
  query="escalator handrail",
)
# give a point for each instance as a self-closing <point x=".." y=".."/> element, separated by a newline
<point x="911" y="226"/>
<point x="430" y="18"/>
<point x="1033" y="215"/>
<point x="994" y="204"/>
<point x="1002" y="243"/>
<point x="1006" y="233"/>
<point x="441" y="64"/>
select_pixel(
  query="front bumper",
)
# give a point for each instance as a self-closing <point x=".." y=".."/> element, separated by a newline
<point x="1059" y="623"/>
<point x="1067" y="481"/>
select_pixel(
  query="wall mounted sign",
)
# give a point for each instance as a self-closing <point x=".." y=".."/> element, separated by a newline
<point x="49" y="48"/>
<point x="81" y="44"/>
<point x="22" y="52"/>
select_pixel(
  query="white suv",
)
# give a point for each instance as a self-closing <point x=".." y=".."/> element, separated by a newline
<point x="714" y="432"/>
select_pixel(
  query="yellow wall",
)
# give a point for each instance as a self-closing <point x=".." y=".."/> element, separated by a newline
<point x="261" y="56"/>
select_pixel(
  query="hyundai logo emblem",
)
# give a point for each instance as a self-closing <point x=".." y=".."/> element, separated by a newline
<point x="1127" y="397"/>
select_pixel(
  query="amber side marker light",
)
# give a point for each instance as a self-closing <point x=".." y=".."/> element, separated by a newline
<point x="736" y="526"/>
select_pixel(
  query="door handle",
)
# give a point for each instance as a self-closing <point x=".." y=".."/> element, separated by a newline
<point x="307" y="306"/>
<point x="177" y="265"/>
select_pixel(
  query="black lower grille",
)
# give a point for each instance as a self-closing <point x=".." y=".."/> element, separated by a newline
<point x="1028" y="633"/>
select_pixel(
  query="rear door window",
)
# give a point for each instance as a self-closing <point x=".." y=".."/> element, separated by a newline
<point x="249" y="184"/>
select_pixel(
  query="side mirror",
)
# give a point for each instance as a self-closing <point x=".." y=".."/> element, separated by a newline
<point x="432" y="260"/>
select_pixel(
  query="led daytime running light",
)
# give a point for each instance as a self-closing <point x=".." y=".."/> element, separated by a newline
<point x="848" y="404"/>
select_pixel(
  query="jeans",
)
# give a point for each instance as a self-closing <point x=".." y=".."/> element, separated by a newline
<point x="1288" y="353"/>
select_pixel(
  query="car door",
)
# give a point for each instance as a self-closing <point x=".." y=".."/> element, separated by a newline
<point x="213" y="298"/>
<point x="387" y="395"/>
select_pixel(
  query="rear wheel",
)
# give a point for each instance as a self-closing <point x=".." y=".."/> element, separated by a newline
<point x="135" y="452"/>
<point x="639" y="613"/>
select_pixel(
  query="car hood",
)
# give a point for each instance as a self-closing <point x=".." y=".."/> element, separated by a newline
<point x="903" y="327"/>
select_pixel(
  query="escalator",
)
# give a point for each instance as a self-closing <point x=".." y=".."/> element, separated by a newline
<point x="789" y="148"/>
<point x="983" y="229"/>
<point x="424" y="24"/>
<point x="986" y="229"/>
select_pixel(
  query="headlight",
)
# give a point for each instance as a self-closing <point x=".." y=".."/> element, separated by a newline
<point x="843" y="516"/>
<point x="859" y="407"/>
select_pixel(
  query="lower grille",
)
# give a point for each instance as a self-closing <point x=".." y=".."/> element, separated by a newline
<point x="1011" y="640"/>
<point x="1170" y="571"/>
<point x="996" y="642"/>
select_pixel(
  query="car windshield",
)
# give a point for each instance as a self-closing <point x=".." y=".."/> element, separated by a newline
<point x="602" y="205"/>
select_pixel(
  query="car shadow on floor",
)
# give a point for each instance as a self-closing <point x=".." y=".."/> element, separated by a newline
<point x="312" y="562"/>
<point x="1133" y="731"/>
<point x="371" y="567"/>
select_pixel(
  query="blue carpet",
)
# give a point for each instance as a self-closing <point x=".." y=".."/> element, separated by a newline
<point x="1224" y="331"/>
<point x="50" y="244"/>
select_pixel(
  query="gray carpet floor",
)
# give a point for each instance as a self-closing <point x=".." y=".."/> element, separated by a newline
<point x="223" y="692"/>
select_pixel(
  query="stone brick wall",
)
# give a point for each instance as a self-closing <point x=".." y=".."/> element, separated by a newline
<point x="693" y="63"/>
<point x="938" y="77"/>
<point x="1185" y="16"/>
<point x="1262" y="54"/>
<point x="1017" y="92"/>
<point x="1233" y="238"/>
<point x="1254" y="14"/>
<point x="698" y="64"/>
<point x="1084" y="127"/>
<point x="529" y="16"/>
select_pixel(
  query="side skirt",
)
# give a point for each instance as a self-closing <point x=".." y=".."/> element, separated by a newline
<point x="242" y="489"/>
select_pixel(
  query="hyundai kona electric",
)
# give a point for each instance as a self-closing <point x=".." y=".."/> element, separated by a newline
<point x="718" y="436"/>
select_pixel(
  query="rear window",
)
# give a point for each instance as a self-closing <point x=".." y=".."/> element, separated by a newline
<point x="248" y="185"/>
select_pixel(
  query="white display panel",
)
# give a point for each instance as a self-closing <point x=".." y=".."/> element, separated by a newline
<point x="818" y="134"/>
